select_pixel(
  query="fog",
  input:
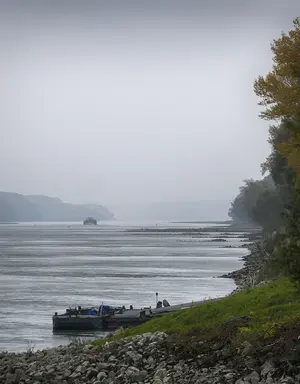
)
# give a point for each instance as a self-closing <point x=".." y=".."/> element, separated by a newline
<point x="134" y="102"/>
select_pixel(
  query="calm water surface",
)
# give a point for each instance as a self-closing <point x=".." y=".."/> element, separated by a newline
<point x="49" y="267"/>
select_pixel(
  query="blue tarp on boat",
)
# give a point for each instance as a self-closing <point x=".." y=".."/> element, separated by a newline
<point x="92" y="312"/>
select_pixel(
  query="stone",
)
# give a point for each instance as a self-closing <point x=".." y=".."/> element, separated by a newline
<point x="51" y="371"/>
<point x="286" y="380"/>
<point x="161" y="373"/>
<point x="38" y="376"/>
<point x="253" y="378"/>
<point x="229" y="376"/>
<point x="79" y="369"/>
<point x="248" y="349"/>
<point x="103" y="366"/>
<point x="74" y="375"/>
<point x="88" y="347"/>
<point x="139" y="376"/>
<point x="91" y="373"/>
<point x="269" y="380"/>
<point x="131" y="371"/>
<point x="101" y="376"/>
<point x="227" y="352"/>
<point x="252" y="364"/>
<point x="111" y="375"/>
<point x="66" y="373"/>
<point x="268" y="368"/>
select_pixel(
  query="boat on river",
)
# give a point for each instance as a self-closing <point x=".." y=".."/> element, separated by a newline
<point x="103" y="318"/>
<point x="90" y="221"/>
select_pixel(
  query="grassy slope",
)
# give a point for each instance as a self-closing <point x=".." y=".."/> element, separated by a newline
<point x="268" y="307"/>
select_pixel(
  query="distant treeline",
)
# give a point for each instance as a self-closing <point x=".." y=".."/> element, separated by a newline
<point x="15" y="207"/>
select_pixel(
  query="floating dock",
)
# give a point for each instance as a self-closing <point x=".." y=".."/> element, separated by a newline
<point x="112" y="318"/>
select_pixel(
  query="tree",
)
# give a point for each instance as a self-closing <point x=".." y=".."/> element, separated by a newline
<point x="257" y="203"/>
<point x="268" y="210"/>
<point x="279" y="93"/>
<point x="279" y="90"/>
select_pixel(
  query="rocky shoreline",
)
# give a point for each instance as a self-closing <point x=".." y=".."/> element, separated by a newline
<point x="151" y="359"/>
<point x="251" y="273"/>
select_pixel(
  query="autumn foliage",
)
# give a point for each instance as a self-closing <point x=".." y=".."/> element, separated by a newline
<point x="279" y="93"/>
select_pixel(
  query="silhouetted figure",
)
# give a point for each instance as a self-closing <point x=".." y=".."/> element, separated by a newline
<point x="166" y="303"/>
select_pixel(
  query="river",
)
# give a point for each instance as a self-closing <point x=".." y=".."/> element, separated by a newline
<point x="49" y="267"/>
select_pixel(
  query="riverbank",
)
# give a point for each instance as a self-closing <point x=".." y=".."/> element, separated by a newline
<point x="249" y="337"/>
<point x="223" y="341"/>
<point x="250" y="274"/>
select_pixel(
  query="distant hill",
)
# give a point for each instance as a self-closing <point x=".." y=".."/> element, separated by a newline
<point x="16" y="207"/>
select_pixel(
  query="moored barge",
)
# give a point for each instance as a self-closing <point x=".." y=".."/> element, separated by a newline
<point x="103" y="318"/>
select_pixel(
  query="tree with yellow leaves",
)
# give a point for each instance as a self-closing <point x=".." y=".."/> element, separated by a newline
<point x="279" y="92"/>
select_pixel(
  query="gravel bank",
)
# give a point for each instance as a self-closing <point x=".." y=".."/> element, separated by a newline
<point x="149" y="359"/>
<point x="250" y="274"/>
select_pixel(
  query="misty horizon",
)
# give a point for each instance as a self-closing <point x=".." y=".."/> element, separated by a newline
<point x="134" y="102"/>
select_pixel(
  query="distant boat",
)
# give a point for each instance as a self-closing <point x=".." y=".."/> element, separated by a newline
<point x="90" y="221"/>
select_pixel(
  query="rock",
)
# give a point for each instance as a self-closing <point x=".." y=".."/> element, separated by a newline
<point x="248" y="349"/>
<point x="103" y="366"/>
<point x="91" y="373"/>
<point x="135" y="357"/>
<point x="38" y="376"/>
<point x="132" y="371"/>
<point x="111" y="375"/>
<point x="229" y="376"/>
<point x="287" y="380"/>
<point x="269" y="380"/>
<point x="161" y="373"/>
<point x="227" y="352"/>
<point x="88" y="347"/>
<point x="252" y="364"/>
<point x="268" y="368"/>
<point x="75" y="375"/>
<point x="139" y="376"/>
<point x="253" y="378"/>
<point x="101" y="376"/>
<point x="66" y="373"/>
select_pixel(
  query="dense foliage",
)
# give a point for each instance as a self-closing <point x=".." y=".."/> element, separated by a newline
<point x="279" y="208"/>
<point x="258" y="203"/>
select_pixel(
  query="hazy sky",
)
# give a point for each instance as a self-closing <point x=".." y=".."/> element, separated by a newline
<point x="134" y="101"/>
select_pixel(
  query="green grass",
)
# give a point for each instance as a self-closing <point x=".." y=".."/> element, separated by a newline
<point x="268" y="308"/>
